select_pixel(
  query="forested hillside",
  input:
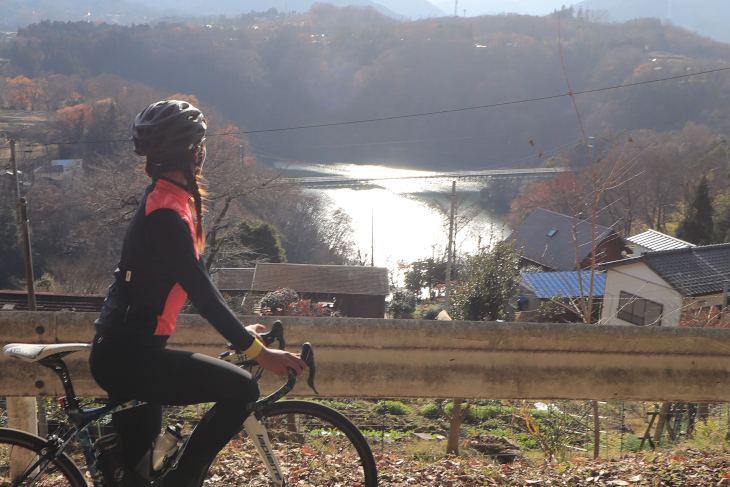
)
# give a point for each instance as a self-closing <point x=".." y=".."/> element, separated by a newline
<point x="331" y="66"/>
<point x="706" y="17"/>
<point x="447" y="93"/>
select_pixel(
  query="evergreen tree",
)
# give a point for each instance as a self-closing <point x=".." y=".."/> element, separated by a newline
<point x="722" y="218"/>
<point x="697" y="227"/>
<point x="492" y="278"/>
<point x="248" y="243"/>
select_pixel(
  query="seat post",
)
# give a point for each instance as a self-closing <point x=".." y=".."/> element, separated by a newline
<point x="59" y="367"/>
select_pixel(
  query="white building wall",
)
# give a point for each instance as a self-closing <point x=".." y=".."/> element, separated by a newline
<point x="641" y="281"/>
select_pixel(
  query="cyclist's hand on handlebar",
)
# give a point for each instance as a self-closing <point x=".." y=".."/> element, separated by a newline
<point x="255" y="329"/>
<point x="279" y="361"/>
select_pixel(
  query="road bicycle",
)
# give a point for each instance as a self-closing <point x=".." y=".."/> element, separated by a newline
<point x="282" y="443"/>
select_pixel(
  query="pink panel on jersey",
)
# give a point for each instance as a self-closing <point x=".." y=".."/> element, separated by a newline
<point x="169" y="195"/>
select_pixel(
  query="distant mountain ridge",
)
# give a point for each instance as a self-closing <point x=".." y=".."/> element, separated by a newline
<point x="20" y="14"/>
<point x="706" y="17"/>
<point x="396" y="8"/>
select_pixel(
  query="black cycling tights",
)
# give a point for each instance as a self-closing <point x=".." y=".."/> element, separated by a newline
<point x="130" y="368"/>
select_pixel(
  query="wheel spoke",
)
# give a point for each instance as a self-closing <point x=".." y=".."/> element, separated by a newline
<point x="314" y="446"/>
<point x="20" y="452"/>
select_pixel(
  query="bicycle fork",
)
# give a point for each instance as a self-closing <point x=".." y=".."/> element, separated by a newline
<point x="260" y="438"/>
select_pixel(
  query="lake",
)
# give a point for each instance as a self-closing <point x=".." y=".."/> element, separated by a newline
<point x="393" y="217"/>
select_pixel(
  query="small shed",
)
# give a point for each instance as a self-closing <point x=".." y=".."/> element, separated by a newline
<point x="356" y="291"/>
<point x="18" y="301"/>
<point x="233" y="281"/>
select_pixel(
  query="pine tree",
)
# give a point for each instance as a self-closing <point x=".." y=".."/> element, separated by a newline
<point x="697" y="227"/>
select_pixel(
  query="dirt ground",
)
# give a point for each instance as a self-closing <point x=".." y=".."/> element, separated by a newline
<point x="681" y="468"/>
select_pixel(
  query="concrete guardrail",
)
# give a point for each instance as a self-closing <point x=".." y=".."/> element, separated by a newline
<point x="409" y="358"/>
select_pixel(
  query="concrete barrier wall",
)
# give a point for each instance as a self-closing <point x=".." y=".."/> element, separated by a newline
<point x="410" y="358"/>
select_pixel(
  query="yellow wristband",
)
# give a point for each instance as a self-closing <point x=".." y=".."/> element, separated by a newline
<point x="254" y="349"/>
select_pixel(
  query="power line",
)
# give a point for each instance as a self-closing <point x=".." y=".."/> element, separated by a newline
<point x="425" y="114"/>
<point x="493" y="105"/>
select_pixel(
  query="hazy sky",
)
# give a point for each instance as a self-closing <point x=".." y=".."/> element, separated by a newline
<point x="479" y="7"/>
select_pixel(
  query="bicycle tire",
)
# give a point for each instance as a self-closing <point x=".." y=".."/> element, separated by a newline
<point x="320" y="447"/>
<point x="27" y="449"/>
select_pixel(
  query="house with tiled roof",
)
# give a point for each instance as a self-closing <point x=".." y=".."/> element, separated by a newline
<point x="651" y="240"/>
<point x="355" y="291"/>
<point x="11" y="300"/>
<point x="234" y="281"/>
<point x="657" y="287"/>
<point x="559" y="288"/>
<point x="556" y="242"/>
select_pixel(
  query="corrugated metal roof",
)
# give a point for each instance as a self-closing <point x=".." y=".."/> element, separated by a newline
<point x="333" y="279"/>
<point x="566" y="284"/>
<point x="696" y="271"/>
<point x="547" y="238"/>
<point x="653" y="240"/>
<point x="233" y="279"/>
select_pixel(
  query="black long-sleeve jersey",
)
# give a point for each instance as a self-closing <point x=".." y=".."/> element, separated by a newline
<point x="159" y="268"/>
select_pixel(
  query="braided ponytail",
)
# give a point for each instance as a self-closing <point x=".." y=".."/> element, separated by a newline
<point x="197" y="205"/>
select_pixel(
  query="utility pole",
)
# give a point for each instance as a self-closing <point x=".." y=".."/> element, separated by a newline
<point x="22" y="410"/>
<point x="16" y="181"/>
<point x="456" y="4"/>
<point x="447" y="294"/>
<point x="22" y="218"/>
<point x="372" y="238"/>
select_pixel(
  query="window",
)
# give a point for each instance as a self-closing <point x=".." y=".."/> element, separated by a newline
<point x="639" y="311"/>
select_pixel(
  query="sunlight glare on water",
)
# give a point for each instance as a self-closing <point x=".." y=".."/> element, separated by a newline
<point x="390" y="215"/>
<point x="399" y="227"/>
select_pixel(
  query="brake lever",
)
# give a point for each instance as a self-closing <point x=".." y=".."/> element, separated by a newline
<point x="275" y="334"/>
<point x="307" y="356"/>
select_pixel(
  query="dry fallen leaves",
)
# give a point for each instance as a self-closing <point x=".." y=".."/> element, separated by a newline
<point x="690" y="468"/>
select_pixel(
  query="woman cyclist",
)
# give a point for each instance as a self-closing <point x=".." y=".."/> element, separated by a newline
<point x="159" y="268"/>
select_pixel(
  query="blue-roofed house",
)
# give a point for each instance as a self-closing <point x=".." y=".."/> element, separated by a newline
<point x="658" y="288"/>
<point x="537" y="288"/>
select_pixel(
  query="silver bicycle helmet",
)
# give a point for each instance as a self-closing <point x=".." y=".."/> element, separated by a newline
<point x="166" y="127"/>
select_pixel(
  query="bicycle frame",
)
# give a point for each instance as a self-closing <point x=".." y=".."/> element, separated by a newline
<point x="77" y="427"/>
<point x="79" y="421"/>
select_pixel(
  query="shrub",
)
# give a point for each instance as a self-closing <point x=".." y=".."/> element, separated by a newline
<point x="46" y="283"/>
<point x="396" y="408"/>
<point x="403" y="303"/>
<point x="431" y="411"/>
<point x="305" y="307"/>
<point x="277" y="302"/>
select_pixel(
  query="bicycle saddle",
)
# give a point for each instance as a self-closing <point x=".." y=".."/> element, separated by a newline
<point x="33" y="353"/>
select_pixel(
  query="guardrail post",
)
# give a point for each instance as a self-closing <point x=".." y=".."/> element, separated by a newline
<point x="21" y="416"/>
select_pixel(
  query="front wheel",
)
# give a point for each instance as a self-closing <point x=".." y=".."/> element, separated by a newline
<point x="24" y="462"/>
<point x="315" y="445"/>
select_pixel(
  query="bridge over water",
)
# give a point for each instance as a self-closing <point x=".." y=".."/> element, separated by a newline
<point x="484" y="175"/>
